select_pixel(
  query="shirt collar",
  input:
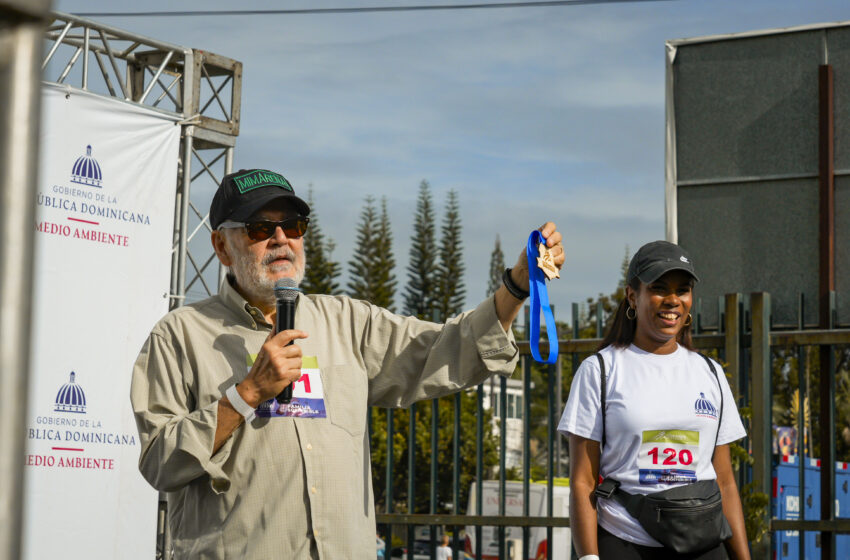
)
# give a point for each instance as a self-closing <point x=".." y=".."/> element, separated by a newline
<point x="234" y="300"/>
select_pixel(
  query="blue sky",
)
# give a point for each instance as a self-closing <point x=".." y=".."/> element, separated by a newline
<point x="530" y="114"/>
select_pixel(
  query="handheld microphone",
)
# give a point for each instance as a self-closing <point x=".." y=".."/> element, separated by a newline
<point x="286" y="293"/>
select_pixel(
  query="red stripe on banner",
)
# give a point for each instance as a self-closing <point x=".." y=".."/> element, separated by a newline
<point x="84" y="221"/>
<point x="66" y="449"/>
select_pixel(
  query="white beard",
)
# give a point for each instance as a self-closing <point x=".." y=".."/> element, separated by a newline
<point x="260" y="287"/>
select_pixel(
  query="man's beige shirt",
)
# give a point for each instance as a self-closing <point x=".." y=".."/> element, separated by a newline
<point x="291" y="488"/>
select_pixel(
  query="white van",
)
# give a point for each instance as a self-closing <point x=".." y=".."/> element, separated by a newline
<point x="561" y="540"/>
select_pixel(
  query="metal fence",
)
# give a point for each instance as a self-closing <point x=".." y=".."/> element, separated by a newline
<point x="752" y="350"/>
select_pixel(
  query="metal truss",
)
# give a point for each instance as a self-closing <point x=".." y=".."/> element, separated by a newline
<point x="204" y="90"/>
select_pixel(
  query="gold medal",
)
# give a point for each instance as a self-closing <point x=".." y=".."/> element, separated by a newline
<point x="546" y="262"/>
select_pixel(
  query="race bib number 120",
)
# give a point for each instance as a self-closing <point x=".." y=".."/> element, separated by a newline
<point x="668" y="456"/>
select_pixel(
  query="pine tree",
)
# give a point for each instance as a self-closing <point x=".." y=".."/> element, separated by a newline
<point x="451" y="292"/>
<point x="421" y="273"/>
<point x="497" y="267"/>
<point x="384" y="262"/>
<point x="321" y="272"/>
<point x="372" y="268"/>
<point x="361" y="265"/>
<point x="609" y="303"/>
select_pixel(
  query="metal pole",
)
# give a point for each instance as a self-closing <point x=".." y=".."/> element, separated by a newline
<point x="185" y="189"/>
<point x="551" y="448"/>
<point x="526" y="439"/>
<point x="411" y="474"/>
<point x="503" y="429"/>
<point x="761" y="387"/>
<point x="435" y="415"/>
<point x="388" y="501"/>
<point x="479" y="467"/>
<point x="456" y="476"/>
<point x="802" y="391"/>
<point x="826" y="287"/>
<point x="20" y="103"/>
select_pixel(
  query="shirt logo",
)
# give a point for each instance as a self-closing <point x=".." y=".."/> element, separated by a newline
<point x="684" y="259"/>
<point x="704" y="408"/>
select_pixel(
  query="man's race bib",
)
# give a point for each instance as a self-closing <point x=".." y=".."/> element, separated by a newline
<point x="668" y="456"/>
<point x="308" y="395"/>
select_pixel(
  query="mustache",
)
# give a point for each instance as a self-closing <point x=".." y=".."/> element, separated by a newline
<point x="283" y="252"/>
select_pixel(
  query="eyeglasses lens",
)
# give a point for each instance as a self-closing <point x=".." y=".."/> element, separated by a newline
<point x="293" y="228"/>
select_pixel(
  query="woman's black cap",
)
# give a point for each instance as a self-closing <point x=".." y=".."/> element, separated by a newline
<point x="655" y="259"/>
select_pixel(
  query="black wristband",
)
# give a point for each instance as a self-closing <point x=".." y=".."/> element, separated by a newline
<point x="515" y="290"/>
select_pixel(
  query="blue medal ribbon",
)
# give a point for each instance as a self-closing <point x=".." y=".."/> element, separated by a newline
<point x="540" y="302"/>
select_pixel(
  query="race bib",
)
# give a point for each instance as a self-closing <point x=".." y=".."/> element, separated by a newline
<point x="668" y="456"/>
<point x="308" y="395"/>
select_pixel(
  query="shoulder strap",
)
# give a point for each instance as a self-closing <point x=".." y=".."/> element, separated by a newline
<point x="602" y="392"/>
<point x="720" y="386"/>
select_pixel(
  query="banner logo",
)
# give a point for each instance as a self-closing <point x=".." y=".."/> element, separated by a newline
<point x="93" y="215"/>
<point x="71" y="397"/>
<point x="87" y="171"/>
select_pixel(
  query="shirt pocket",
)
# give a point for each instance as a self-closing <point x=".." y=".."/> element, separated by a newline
<point x="346" y="393"/>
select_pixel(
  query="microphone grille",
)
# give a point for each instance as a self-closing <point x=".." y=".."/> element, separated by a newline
<point x="286" y="289"/>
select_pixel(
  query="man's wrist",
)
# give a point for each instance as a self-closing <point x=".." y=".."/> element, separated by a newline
<point x="512" y="286"/>
<point x="239" y="404"/>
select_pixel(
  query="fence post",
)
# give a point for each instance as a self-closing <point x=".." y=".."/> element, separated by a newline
<point x="732" y="332"/>
<point x="760" y="432"/>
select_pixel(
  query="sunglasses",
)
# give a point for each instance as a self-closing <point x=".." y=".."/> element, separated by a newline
<point x="261" y="230"/>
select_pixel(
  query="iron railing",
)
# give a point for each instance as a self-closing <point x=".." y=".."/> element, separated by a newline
<point x="742" y="339"/>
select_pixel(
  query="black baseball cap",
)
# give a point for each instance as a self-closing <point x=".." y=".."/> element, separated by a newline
<point x="655" y="259"/>
<point x="243" y="193"/>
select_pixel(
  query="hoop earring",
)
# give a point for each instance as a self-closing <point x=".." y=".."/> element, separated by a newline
<point x="690" y="320"/>
<point x="633" y="316"/>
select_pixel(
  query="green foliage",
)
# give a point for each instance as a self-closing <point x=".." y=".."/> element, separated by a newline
<point x="756" y="512"/>
<point x="384" y="262"/>
<point x="497" y="267"/>
<point x="421" y="270"/>
<point x="604" y="305"/>
<point x="321" y="271"/>
<point x="422" y="451"/>
<point x="371" y="269"/>
<point x="451" y="292"/>
<point x="359" y="266"/>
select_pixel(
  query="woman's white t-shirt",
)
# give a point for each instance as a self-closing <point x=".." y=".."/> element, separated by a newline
<point x="660" y="424"/>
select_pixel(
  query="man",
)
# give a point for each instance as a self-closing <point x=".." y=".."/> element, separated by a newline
<point x="279" y="485"/>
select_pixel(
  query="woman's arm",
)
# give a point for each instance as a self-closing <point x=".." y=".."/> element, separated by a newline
<point x="584" y="472"/>
<point x="736" y="546"/>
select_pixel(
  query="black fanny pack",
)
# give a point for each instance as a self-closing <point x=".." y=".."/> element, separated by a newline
<point x="687" y="518"/>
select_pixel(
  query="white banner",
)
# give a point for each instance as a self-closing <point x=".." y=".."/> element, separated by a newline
<point x="102" y="267"/>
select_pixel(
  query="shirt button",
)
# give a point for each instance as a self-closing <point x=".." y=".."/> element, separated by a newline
<point x="313" y="489"/>
<point x="309" y="446"/>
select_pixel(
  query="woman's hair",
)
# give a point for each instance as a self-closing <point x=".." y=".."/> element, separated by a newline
<point x="621" y="332"/>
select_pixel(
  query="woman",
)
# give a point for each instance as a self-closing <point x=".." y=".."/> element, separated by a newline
<point x="666" y="421"/>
